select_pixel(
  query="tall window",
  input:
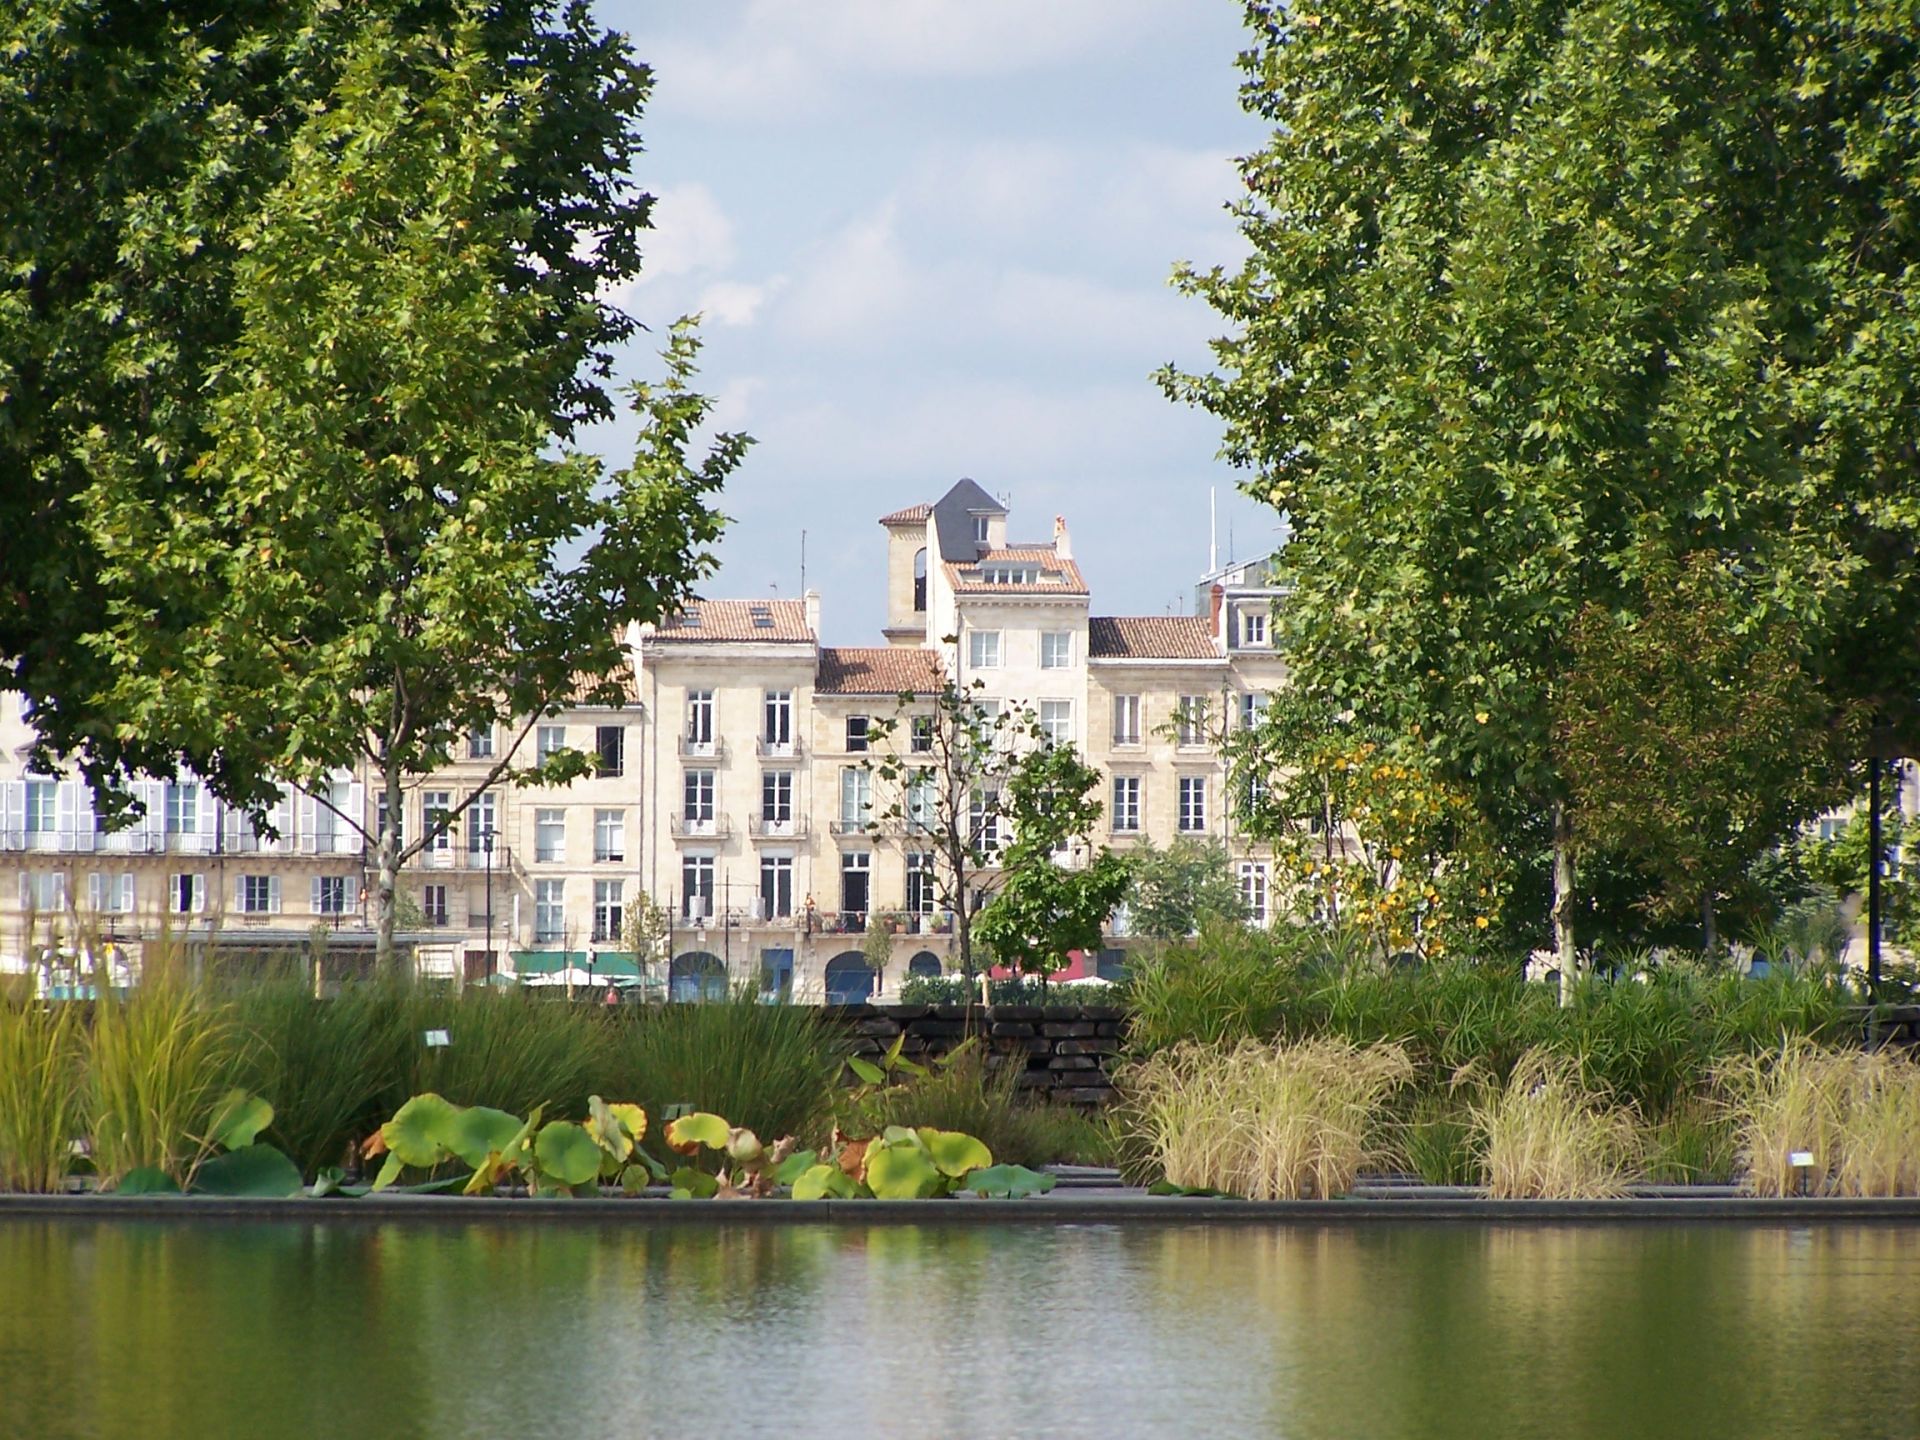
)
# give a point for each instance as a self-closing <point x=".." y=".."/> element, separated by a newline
<point x="482" y="821"/>
<point x="1126" y="803"/>
<point x="919" y="882"/>
<point x="920" y="580"/>
<point x="856" y="875"/>
<point x="857" y="733"/>
<point x="1253" y="627"/>
<point x="45" y="891"/>
<point x="382" y="820"/>
<point x="187" y="894"/>
<point x="1253" y="709"/>
<point x="433" y="904"/>
<point x="480" y="743"/>
<point x="434" y="807"/>
<point x="1126" y="719"/>
<point x="609" y="835"/>
<point x="110" y="894"/>
<point x="697" y="791"/>
<point x="183" y="808"/>
<point x="611" y="743"/>
<point x="1056" y="649"/>
<point x="259" y="894"/>
<point x="699" y="719"/>
<point x="981" y="530"/>
<point x="1193" y="802"/>
<point x="1056" y="721"/>
<point x="920" y="800"/>
<point x="983" y="824"/>
<point x="776" y="797"/>
<point x="1253" y="890"/>
<point x="329" y="894"/>
<point x="1193" y="720"/>
<point x="549" y="909"/>
<point x="920" y="735"/>
<point x="776" y="886"/>
<point x="983" y="649"/>
<point x="856" y="795"/>
<point x="42" y="806"/>
<point x="549" y="740"/>
<point x="779" y="719"/>
<point x="696" y="886"/>
<point x="549" y="836"/>
<point x="607" y="908"/>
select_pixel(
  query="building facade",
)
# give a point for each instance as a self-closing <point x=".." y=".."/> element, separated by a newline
<point x="734" y="789"/>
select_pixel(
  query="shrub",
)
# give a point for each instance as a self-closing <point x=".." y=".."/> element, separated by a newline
<point x="1229" y="985"/>
<point x="1545" y="1135"/>
<point x="41" y="1114"/>
<point x="1437" y="1142"/>
<point x="1280" y="1122"/>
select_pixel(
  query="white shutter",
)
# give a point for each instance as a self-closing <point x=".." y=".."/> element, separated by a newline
<point x="240" y="894"/>
<point x="26" y="894"/>
<point x="13" y="814"/>
<point x="199" y="894"/>
<point x="346" y="841"/>
<point x="60" y="891"/>
<point x="273" y="894"/>
<point x="126" y="893"/>
<point x="152" y="829"/>
<point x="314" y="896"/>
<point x="96" y="891"/>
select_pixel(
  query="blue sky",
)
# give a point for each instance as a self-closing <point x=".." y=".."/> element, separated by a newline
<point x="932" y="239"/>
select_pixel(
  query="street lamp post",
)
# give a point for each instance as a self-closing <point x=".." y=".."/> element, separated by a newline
<point x="486" y="846"/>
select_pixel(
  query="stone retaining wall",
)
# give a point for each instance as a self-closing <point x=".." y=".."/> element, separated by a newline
<point x="1065" y="1053"/>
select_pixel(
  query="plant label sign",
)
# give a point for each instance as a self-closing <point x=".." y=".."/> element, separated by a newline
<point x="435" y="1039"/>
<point x="1800" y="1159"/>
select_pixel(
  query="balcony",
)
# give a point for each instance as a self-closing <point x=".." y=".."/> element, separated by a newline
<point x="843" y="922"/>
<point x="714" y="749"/>
<point x="459" y="857"/>
<point x="711" y="827"/>
<point x="781" y="749"/>
<point x="794" y="827"/>
<point x="85" y="840"/>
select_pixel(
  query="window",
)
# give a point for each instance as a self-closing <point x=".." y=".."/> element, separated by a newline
<point x="611" y="743"/>
<point x="482" y="825"/>
<point x="856" y="795"/>
<point x="921" y="797"/>
<point x="981" y="530"/>
<point x="187" y="894"/>
<point x="548" y="741"/>
<point x="434" y="806"/>
<point x="607" y="908"/>
<point x="699" y="719"/>
<point x="856" y="734"/>
<point x="45" y="891"/>
<point x="1253" y="709"/>
<point x="329" y="894"/>
<point x="920" y="580"/>
<point x="433" y="904"/>
<point x="779" y="719"/>
<point x="1253" y="796"/>
<point x="776" y="886"/>
<point x="1126" y="719"/>
<point x="183" y="809"/>
<point x="480" y="743"/>
<point x="1192" y="715"/>
<point x="609" y="835"/>
<point x="549" y="909"/>
<point x="1253" y="890"/>
<point x="1126" y="803"/>
<point x="1056" y="721"/>
<point x="983" y="824"/>
<point x="1193" y="802"/>
<point x="920" y="735"/>
<point x="1253" y="627"/>
<point x="1009" y="575"/>
<point x="696" y="886"/>
<point x="856" y="867"/>
<point x="381" y="819"/>
<point x="776" y="797"/>
<point x="42" y="806"/>
<point x="1056" y="649"/>
<point x="697" y="791"/>
<point x="550" y="836"/>
<point x="919" y="882"/>
<point x="110" y="894"/>
<point x="983" y="649"/>
<point x="259" y="894"/>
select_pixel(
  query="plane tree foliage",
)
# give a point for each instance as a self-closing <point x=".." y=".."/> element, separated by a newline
<point x="1541" y="295"/>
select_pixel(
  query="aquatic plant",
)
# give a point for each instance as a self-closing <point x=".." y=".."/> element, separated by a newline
<point x="41" y="1110"/>
<point x="1545" y="1135"/>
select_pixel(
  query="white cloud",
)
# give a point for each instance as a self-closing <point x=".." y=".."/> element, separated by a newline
<point x="856" y="287"/>
<point x="734" y="302"/>
<point x="691" y="234"/>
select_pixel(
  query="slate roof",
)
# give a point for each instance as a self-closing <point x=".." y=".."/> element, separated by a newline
<point x="1149" y="637"/>
<point x="953" y="520"/>
<point x="912" y="515"/>
<point x="705" y="621"/>
<point x="876" y="670"/>
<point x="1065" y="577"/>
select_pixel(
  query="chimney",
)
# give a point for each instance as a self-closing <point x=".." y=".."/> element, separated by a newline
<point x="812" y="601"/>
<point x="1062" y="542"/>
<point x="1218" y="594"/>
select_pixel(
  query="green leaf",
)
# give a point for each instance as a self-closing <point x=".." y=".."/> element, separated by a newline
<point x="954" y="1153"/>
<point x="824" y="1182"/>
<point x="418" y="1133"/>
<point x="389" y="1172"/>
<point x="1008" y="1182"/>
<point x="238" y="1120"/>
<point x="566" y="1153"/>
<point x="147" y="1181"/>
<point x="255" y="1172"/>
<point x="867" y="1070"/>
<point x="478" y="1132"/>
<point x="901" y="1172"/>
<point x="794" y="1166"/>
<point x="692" y="1184"/>
<point x="607" y="1130"/>
<point x="688" y="1133"/>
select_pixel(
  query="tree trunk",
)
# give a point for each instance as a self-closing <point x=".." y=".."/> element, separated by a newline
<point x="1563" y="899"/>
<point x="1709" y="938"/>
<point x="387" y="874"/>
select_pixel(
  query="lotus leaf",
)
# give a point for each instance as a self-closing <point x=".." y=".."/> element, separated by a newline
<point x="477" y="1132"/>
<point x="238" y="1120"/>
<point x="688" y="1133"/>
<point x="485" y="1175"/>
<point x="823" y="1182"/>
<point x="147" y="1181"/>
<point x="633" y="1179"/>
<point x="902" y="1135"/>
<point x="955" y="1153"/>
<point x="389" y="1172"/>
<point x="607" y="1130"/>
<point x="631" y="1116"/>
<point x="257" y="1172"/>
<point x="566" y="1153"/>
<point x="794" y="1166"/>
<point x="1013" y="1182"/>
<point x="692" y="1184"/>
<point x="901" y="1172"/>
<point x="328" y="1182"/>
<point x="417" y="1133"/>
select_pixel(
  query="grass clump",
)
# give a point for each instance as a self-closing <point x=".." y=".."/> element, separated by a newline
<point x="509" y="1050"/>
<point x="1229" y="985"/>
<point x="41" y="1113"/>
<point x="968" y="1095"/>
<point x="156" y="1064"/>
<point x="1268" y="1122"/>
<point x="1857" y="1116"/>
<point x="1546" y="1136"/>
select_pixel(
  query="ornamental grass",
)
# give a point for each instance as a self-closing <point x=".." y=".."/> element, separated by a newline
<point x="41" y="1109"/>
<point x="1854" y="1116"/>
<point x="1545" y="1135"/>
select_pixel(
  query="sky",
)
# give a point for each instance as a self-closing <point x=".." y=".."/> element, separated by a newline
<point x="932" y="239"/>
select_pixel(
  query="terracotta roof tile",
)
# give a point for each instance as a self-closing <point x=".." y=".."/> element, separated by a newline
<point x="735" y="620"/>
<point x="1149" y="637"/>
<point x="1065" y="577"/>
<point x="876" y="670"/>
<point x="912" y="515"/>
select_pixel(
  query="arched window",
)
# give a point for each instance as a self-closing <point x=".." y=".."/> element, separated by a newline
<point x="697" y="975"/>
<point x="849" y="979"/>
<point x="920" y="579"/>
<point x="925" y="965"/>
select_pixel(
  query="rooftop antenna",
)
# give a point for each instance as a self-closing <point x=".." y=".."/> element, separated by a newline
<point x="1213" y="534"/>
<point x="803" y="562"/>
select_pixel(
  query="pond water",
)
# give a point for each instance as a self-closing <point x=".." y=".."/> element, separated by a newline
<point x="271" y="1330"/>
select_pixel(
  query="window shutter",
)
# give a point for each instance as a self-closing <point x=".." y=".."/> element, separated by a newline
<point x="273" y="894"/>
<point x="26" y="894"/>
<point x="153" y="821"/>
<point x="315" y="896"/>
<point x="345" y="838"/>
<point x="96" y="892"/>
<point x="126" y="892"/>
<point x="199" y="894"/>
<point x="240" y="893"/>
<point x="308" y="811"/>
<point x="60" y="890"/>
<point x="13" y="816"/>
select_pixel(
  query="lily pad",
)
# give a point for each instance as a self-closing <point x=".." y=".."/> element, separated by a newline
<point x="607" y="1131"/>
<point x="901" y="1172"/>
<point x="147" y="1180"/>
<point x="796" y="1165"/>
<point x="238" y="1120"/>
<point x="1011" y="1182"/>
<point x="692" y="1184"/>
<point x="256" y="1172"/>
<point x="688" y="1133"/>
<point x="417" y="1134"/>
<point x="824" y="1182"/>
<point x="631" y="1116"/>
<point x="567" y="1153"/>
<point x="478" y="1132"/>
<point x="955" y="1153"/>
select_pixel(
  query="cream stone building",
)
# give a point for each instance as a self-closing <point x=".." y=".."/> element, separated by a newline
<point x="734" y="788"/>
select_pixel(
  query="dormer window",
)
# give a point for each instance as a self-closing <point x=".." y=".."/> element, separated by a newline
<point x="1009" y="575"/>
<point x="980" y="523"/>
<point x="1253" y="627"/>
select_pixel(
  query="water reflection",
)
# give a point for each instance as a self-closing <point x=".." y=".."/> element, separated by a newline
<point x="168" y="1332"/>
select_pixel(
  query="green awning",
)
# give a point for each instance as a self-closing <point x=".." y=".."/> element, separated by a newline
<point x="607" y="964"/>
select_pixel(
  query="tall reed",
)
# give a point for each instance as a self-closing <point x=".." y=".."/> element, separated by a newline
<point x="157" y="1063"/>
<point x="1545" y="1135"/>
<point x="1283" y="1122"/>
<point x="41" y="1113"/>
<point x="1855" y="1116"/>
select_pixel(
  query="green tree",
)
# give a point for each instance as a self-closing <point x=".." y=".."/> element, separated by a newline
<point x="1172" y="893"/>
<point x="1058" y="890"/>
<point x="644" y="928"/>
<point x="390" y="552"/>
<point x="1536" y="293"/>
<point x="142" y="143"/>
<point x="1692" y="747"/>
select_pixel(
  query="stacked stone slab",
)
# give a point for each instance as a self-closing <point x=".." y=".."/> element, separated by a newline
<point x="1065" y="1053"/>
